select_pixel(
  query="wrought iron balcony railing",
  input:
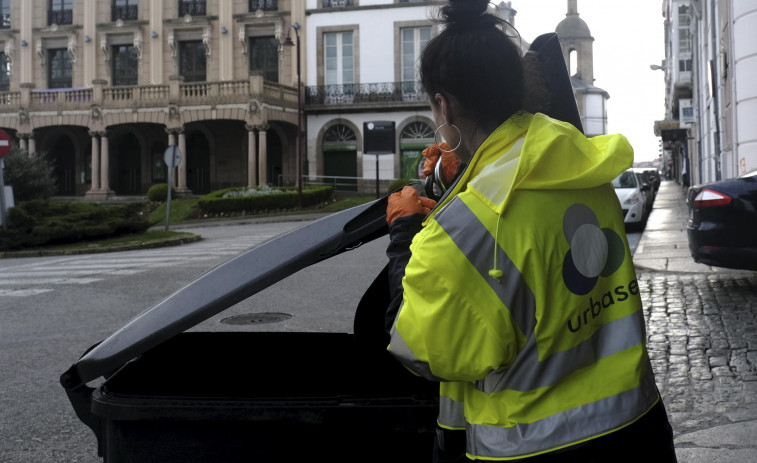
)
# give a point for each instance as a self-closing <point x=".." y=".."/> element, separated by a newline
<point x="337" y="3"/>
<point x="385" y="92"/>
<point x="192" y="8"/>
<point x="124" y="12"/>
<point x="148" y="96"/>
<point x="60" y="17"/>
<point x="265" y="5"/>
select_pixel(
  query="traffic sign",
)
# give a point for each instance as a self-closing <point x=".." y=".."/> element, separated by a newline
<point x="172" y="156"/>
<point x="5" y="143"/>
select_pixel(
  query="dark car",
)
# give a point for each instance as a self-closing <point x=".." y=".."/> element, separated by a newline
<point x="722" y="226"/>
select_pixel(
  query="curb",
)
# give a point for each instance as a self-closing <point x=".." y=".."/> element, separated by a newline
<point x="126" y="247"/>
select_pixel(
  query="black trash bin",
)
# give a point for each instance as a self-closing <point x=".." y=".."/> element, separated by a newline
<point x="174" y="396"/>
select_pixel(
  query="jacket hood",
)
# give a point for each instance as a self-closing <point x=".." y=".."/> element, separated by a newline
<point x="556" y="155"/>
<point x="550" y="154"/>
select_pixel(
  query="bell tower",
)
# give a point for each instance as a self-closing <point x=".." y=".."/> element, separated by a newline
<point x="577" y="44"/>
<point x="577" y="48"/>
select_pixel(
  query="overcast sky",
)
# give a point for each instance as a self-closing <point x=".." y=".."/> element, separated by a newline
<point x="628" y="37"/>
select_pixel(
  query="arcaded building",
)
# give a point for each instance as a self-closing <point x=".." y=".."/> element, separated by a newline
<point x="104" y="87"/>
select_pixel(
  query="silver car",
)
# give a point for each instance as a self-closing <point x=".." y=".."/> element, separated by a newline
<point x="632" y="199"/>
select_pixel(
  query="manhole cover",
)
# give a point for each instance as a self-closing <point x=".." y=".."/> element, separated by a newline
<point x="256" y="318"/>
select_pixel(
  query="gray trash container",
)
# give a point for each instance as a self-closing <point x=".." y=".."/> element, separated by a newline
<point x="175" y="396"/>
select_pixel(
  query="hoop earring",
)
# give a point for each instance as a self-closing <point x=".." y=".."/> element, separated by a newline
<point x="459" y="137"/>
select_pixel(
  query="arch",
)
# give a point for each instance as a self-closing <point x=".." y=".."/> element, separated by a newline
<point x="414" y="135"/>
<point x="64" y="165"/>
<point x="573" y="62"/>
<point x="198" y="161"/>
<point x="158" y="168"/>
<point x="63" y="147"/>
<point x="340" y="142"/>
<point x="126" y="169"/>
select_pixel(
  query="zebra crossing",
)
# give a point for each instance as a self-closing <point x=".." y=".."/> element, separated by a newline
<point x="43" y="276"/>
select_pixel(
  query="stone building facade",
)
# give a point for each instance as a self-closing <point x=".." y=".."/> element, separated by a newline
<point x="104" y="87"/>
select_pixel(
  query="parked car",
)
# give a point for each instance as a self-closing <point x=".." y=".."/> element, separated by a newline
<point x="722" y="225"/>
<point x="628" y="188"/>
<point x="647" y="191"/>
<point x="651" y="176"/>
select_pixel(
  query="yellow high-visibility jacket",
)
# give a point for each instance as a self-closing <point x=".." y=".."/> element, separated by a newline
<point x="521" y="296"/>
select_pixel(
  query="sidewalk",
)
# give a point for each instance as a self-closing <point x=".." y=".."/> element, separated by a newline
<point x="664" y="247"/>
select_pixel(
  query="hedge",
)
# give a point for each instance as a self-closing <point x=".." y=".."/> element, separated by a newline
<point x="42" y="222"/>
<point x="265" y="199"/>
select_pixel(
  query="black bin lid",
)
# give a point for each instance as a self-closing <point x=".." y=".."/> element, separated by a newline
<point x="229" y="283"/>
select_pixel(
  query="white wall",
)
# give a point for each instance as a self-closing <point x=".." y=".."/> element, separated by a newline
<point x="376" y="42"/>
<point x="745" y="85"/>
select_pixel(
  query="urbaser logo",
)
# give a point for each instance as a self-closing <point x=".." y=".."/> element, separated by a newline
<point x="594" y="251"/>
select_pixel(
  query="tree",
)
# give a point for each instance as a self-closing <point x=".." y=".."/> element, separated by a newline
<point x="30" y="176"/>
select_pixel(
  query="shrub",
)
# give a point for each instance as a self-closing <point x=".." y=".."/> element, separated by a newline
<point x="264" y="199"/>
<point x="159" y="192"/>
<point x="37" y="222"/>
<point x="30" y="176"/>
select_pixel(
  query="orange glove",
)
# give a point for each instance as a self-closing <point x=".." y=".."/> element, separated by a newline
<point x="450" y="162"/>
<point x="407" y="202"/>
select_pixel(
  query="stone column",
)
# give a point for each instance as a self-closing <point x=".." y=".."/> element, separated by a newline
<point x="252" y="155"/>
<point x="182" y="177"/>
<point x="32" y="144"/>
<point x="22" y="141"/>
<point x="95" y="162"/>
<point x="263" y="155"/>
<point x="105" y="157"/>
<point x="172" y="142"/>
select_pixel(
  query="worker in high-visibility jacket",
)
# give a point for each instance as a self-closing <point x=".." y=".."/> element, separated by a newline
<point x="518" y="292"/>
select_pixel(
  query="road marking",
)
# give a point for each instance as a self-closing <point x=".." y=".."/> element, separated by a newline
<point x="23" y="292"/>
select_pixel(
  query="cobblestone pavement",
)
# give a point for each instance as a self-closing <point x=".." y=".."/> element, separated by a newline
<point x="702" y="338"/>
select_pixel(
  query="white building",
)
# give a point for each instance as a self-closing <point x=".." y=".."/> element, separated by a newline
<point x="362" y="67"/>
<point x="711" y="95"/>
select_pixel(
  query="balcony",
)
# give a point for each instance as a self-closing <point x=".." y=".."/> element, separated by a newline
<point x="366" y="96"/>
<point x="149" y="96"/>
<point x="192" y="8"/>
<point x="265" y="5"/>
<point x="337" y="3"/>
<point x="124" y="13"/>
<point x="60" y="17"/>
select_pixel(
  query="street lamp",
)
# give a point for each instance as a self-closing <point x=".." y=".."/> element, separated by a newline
<point x="288" y="42"/>
<point x="657" y="67"/>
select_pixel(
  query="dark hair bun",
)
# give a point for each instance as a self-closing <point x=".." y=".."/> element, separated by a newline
<point x="466" y="13"/>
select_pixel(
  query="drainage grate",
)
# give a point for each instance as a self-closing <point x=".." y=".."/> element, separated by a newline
<point x="256" y="318"/>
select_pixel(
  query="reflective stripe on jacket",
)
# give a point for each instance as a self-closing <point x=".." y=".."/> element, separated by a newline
<point x="521" y="295"/>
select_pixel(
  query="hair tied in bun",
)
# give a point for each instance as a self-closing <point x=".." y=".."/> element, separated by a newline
<point x="465" y="13"/>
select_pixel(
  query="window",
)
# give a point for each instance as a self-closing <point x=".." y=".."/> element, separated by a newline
<point x="125" y="65"/>
<point x="338" y="58"/>
<point x="684" y="19"/>
<point x="413" y="41"/>
<point x="5" y="10"/>
<point x="414" y="138"/>
<point x="192" y="8"/>
<point x="192" y="61"/>
<point x="60" y="12"/>
<point x="125" y="10"/>
<point x="684" y="40"/>
<point x="5" y="73"/>
<point x="264" y="57"/>
<point x="265" y="5"/>
<point x="684" y="65"/>
<point x="58" y="68"/>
